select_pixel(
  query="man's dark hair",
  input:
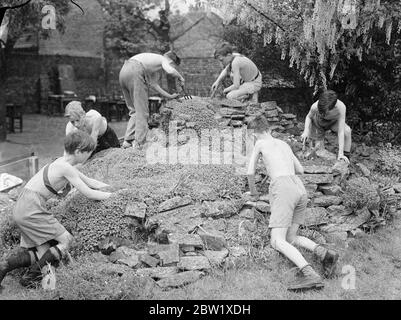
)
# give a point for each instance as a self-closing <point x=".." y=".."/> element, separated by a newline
<point x="327" y="101"/>
<point x="79" y="140"/>
<point x="259" y="124"/>
<point x="173" y="56"/>
<point x="223" y="50"/>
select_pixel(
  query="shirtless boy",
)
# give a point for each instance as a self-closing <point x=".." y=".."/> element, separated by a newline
<point x="328" y="113"/>
<point x="93" y="123"/>
<point x="288" y="201"/>
<point x="136" y="76"/>
<point x="38" y="226"/>
<point x="246" y="77"/>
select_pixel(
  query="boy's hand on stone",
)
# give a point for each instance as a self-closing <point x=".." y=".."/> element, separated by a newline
<point x="255" y="196"/>
<point x="252" y="196"/>
<point x="342" y="157"/>
<point x="304" y="136"/>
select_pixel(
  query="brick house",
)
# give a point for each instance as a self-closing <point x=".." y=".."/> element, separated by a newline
<point x="33" y="67"/>
<point x="195" y="36"/>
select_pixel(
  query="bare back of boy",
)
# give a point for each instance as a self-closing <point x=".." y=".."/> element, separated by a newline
<point x="152" y="62"/>
<point x="288" y="197"/>
<point x="277" y="157"/>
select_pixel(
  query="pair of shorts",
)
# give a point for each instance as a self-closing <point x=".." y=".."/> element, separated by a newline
<point x="288" y="200"/>
<point x="107" y="140"/>
<point x="319" y="126"/>
<point x="37" y="226"/>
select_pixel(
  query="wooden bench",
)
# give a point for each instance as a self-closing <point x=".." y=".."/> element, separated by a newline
<point x="14" y="113"/>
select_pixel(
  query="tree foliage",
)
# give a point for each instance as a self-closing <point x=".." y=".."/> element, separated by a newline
<point x="318" y="34"/>
<point x="129" y="30"/>
<point x="27" y="18"/>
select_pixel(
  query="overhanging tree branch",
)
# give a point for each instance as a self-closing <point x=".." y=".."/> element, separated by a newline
<point x="264" y="15"/>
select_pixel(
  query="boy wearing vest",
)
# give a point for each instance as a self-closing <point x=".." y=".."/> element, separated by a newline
<point x="40" y="228"/>
<point x="328" y="113"/>
<point x="246" y="77"/>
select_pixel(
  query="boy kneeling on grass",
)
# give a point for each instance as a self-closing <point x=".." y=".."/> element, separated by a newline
<point x="39" y="227"/>
<point x="288" y="200"/>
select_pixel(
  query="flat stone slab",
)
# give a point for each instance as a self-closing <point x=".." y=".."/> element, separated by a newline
<point x="317" y="178"/>
<point x="317" y="169"/>
<point x="330" y="190"/>
<point x="327" y="201"/>
<point x="213" y="240"/>
<point x="269" y="105"/>
<point x="339" y="210"/>
<point x="189" y="263"/>
<point x="271" y="113"/>
<point x="288" y="116"/>
<point x="247" y="213"/>
<point x="192" y="240"/>
<point x="231" y="103"/>
<point x="110" y="244"/>
<point x="168" y="253"/>
<point x="364" y="170"/>
<point x="180" y="279"/>
<point x="149" y="260"/>
<point x="126" y="256"/>
<point x="218" y="209"/>
<point x="326" y="155"/>
<point x="350" y="222"/>
<point x="216" y="258"/>
<point x="231" y="112"/>
<point x="316" y="216"/>
<point x="158" y="272"/>
<point x="181" y="220"/>
<point x="174" y="203"/>
<point x="136" y="210"/>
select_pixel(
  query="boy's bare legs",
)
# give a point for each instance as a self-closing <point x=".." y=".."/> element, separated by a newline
<point x="278" y="241"/>
<point x="299" y="241"/>
<point x="311" y="279"/>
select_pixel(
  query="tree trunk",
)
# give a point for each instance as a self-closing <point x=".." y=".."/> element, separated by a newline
<point x="3" y="119"/>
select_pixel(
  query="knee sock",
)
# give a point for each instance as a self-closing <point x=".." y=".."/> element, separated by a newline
<point x="53" y="256"/>
<point x="20" y="259"/>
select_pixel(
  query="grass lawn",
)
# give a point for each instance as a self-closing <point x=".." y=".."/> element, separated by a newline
<point x="375" y="258"/>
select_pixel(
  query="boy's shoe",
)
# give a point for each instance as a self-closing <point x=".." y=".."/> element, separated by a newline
<point x="306" y="283"/>
<point x="329" y="262"/>
<point x="137" y="147"/>
<point x="309" y="279"/>
<point x="126" y="145"/>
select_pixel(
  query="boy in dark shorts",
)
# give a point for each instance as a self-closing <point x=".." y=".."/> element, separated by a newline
<point x="93" y="123"/>
<point x="288" y="201"/>
<point x="39" y="227"/>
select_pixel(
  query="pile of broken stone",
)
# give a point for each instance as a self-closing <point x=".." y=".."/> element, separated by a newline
<point x="197" y="240"/>
<point x="232" y="113"/>
<point x="238" y="114"/>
